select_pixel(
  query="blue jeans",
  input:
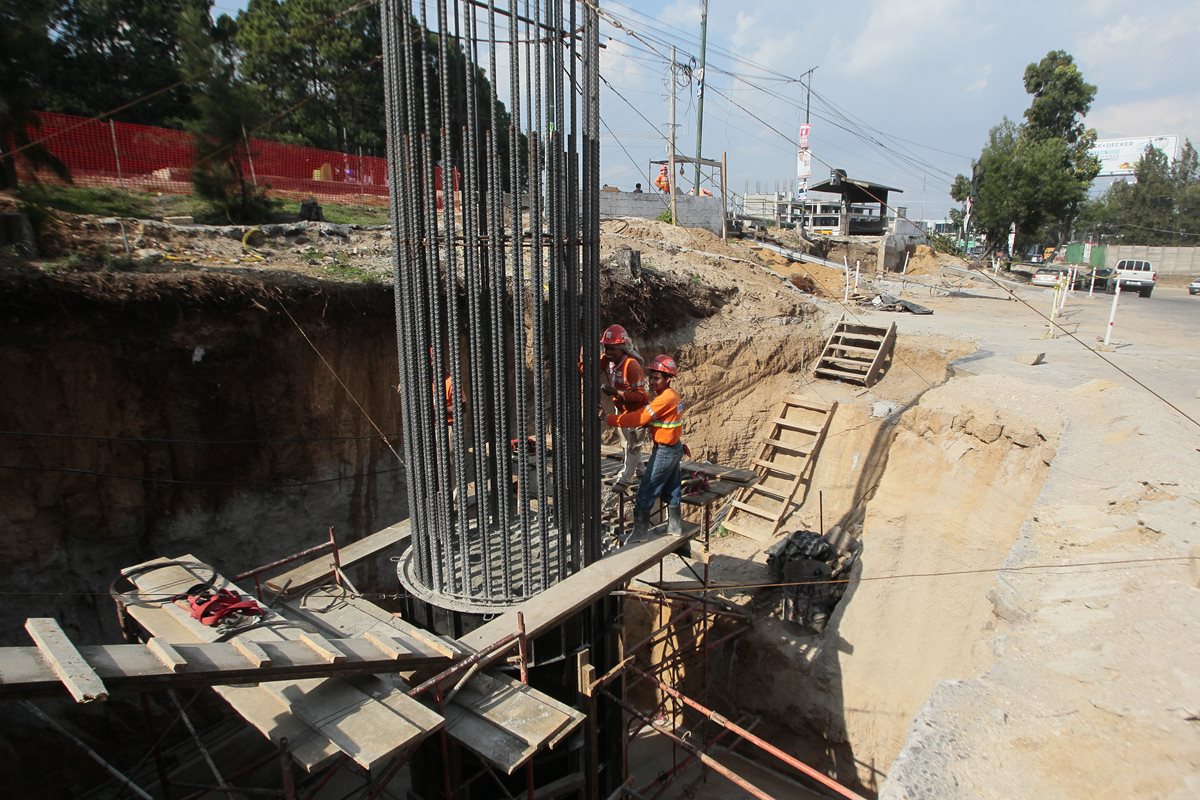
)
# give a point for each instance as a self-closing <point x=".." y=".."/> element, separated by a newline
<point x="661" y="479"/>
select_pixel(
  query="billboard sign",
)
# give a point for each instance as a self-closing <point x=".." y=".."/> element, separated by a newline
<point x="1120" y="156"/>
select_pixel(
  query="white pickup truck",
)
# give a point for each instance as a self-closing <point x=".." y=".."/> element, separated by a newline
<point x="1134" y="274"/>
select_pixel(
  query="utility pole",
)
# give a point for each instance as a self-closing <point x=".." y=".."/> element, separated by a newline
<point x="671" y="144"/>
<point x="808" y="93"/>
<point x="700" y="99"/>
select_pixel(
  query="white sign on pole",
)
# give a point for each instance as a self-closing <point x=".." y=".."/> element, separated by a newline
<point x="1120" y="156"/>
<point x="804" y="130"/>
<point x="803" y="164"/>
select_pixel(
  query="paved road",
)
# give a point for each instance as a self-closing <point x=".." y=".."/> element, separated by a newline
<point x="1156" y="340"/>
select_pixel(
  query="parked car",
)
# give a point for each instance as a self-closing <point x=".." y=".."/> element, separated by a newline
<point x="1134" y="275"/>
<point x="1083" y="280"/>
<point x="1048" y="276"/>
<point x="1194" y="286"/>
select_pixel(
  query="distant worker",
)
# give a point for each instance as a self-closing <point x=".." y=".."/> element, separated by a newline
<point x="637" y="188"/>
<point x="663" y="415"/>
<point x="625" y="382"/>
<point x="663" y="181"/>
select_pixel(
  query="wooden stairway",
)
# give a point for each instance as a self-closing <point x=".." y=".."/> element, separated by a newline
<point x="855" y="353"/>
<point x="784" y="461"/>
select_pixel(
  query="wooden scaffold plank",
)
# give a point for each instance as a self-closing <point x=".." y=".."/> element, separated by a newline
<point x="60" y="654"/>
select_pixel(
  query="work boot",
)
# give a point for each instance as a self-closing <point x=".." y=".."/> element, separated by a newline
<point x="674" y="521"/>
<point x="641" y="524"/>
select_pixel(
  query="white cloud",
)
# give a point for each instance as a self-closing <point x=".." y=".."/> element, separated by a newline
<point x="900" y="33"/>
<point x="1157" y="46"/>
<point x="1178" y="115"/>
<point x="981" y="82"/>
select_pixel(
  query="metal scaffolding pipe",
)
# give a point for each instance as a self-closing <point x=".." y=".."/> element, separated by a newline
<point x="704" y="758"/>
<point x="791" y="761"/>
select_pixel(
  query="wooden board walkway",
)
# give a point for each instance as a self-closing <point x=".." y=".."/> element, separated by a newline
<point x="791" y="440"/>
<point x="496" y="717"/>
<point x="321" y="717"/>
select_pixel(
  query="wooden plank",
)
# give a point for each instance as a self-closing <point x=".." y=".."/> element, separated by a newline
<point x="62" y="657"/>
<point x="839" y="373"/>
<point x="771" y="516"/>
<point x="792" y="424"/>
<point x="323" y="648"/>
<point x="771" y="465"/>
<point x="252" y="652"/>
<point x="320" y="570"/>
<point x="805" y="402"/>
<point x="800" y="450"/>
<point x="168" y="655"/>
<point x="367" y="731"/>
<point x="150" y="666"/>
<point x="777" y="494"/>
<point x="743" y="529"/>
<point x="575" y="592"/>
<point x="854" y="348"/>
<point x="850" y="363"/>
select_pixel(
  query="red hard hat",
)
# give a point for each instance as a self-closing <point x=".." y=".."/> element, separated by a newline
<point x="663" y="168"/>
<point x="663" y="363"/>
<point x="614" y="335"/>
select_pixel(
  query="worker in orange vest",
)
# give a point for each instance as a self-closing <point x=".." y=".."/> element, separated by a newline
<point x="625" y="382"/>
<point x="663" y="415"/>
<point x="663" y="181"/>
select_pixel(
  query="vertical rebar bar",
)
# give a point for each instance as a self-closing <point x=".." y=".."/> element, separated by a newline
<point x="525" y="316"/>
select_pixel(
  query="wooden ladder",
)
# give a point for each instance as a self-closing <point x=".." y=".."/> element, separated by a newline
<point x="785" y="460"/>
<point x="856" y="353"/>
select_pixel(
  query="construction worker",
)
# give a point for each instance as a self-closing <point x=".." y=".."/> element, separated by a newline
<point x="663" y="416"/>
<point x="663" y="181"/>
<point x="625" y="382"/>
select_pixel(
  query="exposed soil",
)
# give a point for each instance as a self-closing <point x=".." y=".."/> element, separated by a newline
<point x="960" y="461"/>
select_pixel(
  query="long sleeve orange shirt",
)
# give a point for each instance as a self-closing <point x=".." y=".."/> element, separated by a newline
<point x="664" y="415"/>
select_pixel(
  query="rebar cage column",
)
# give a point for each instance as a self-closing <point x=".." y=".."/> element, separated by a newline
<point x="493" y="170"/>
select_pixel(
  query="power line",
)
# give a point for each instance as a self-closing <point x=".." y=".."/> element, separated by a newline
<point x="187" y="482"/>
<point x="196" y="442"/>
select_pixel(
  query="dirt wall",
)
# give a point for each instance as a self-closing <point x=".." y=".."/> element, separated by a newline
<point x="164" y="415"/>
<point x="918" y="611"/>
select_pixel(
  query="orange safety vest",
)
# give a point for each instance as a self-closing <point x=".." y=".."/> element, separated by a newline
<point x="664" y="415"/>
<point x="449" y="399"/>
<point x="629" y="381"/>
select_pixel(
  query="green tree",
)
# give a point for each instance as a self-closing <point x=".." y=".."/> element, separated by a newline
<point x="24" y="62"/>
<point x="113" y="53"/>
<point x="318" y="67"/>
<point x="223" y="109"/>
<point x="1037" y="174"/>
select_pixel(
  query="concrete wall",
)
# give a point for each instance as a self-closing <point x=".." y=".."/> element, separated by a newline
<point x="694" y="212"/>
<point x="1166" y="260"/>
<point x="892" y="248"/>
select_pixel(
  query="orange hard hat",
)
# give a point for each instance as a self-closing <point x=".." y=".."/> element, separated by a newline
<point x="614" y="335"/>
<point x="663" y="363"/>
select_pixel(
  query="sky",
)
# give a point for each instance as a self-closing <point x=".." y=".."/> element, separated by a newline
<point x="904" y="92"/>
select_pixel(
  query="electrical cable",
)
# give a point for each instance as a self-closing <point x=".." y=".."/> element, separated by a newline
<point x="1068" y="568"/>
<point x="197" y="442"/>
<point x="185" y="482"/>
